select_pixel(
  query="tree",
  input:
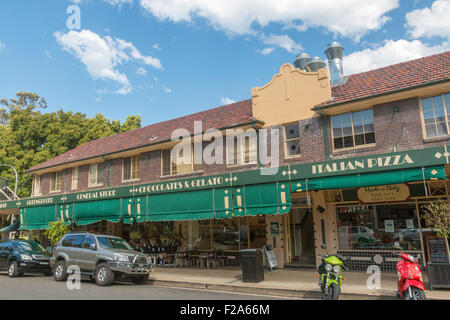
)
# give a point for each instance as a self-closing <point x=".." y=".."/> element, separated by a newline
<point x="437" y="217"/>
<point x="56" y="231"/>
<point x="29" y="137"/>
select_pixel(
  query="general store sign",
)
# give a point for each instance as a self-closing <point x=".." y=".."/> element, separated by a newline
<point x="390" y="193"/>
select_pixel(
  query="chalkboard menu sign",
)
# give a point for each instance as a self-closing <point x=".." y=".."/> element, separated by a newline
<point x="437" y="250"/>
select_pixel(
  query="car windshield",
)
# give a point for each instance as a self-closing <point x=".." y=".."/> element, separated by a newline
<point x="113" y="243"/>
<point x="29" y="246"/>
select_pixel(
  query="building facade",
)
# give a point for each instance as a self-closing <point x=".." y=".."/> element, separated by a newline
<point x="351" y="165"/>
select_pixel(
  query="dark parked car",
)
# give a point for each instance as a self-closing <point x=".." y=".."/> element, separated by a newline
<point x="23" y="256"/>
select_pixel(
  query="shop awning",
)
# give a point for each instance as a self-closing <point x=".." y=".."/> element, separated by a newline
<point x="37" y="218"/>
<point x="262" y="199"/>
<point x="193" y="205"/>
<point x="11" y="227"/>
<point x="94" y="211"/>
<point x="370" y="179"/>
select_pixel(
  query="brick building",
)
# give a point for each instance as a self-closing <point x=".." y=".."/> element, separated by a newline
<point x="357" y="159"/>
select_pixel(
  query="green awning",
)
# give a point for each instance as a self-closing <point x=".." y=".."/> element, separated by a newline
<point x="37" y="218"/>
<point x="11" y="227"/>
<point x="192" y="205"/>
<point x="135" y="209"/>
<point x="370" y="179"/>
<point x="223" y="203"/>
<point x="94" y="211"/>
<point x="267" y="199"/>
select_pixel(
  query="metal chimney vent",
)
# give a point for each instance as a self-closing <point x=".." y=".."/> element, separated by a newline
<point x="315" y="64"/>
<point x="301" y="61"/>
<point x="334" y="54"/>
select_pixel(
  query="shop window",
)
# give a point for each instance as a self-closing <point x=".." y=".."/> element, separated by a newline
<point x="353" y="129"/>
<point x="131" y="168"/>
<point x="436" y="115"/>
<point x="378" y="227"/>
<point x="172" y="164"/>
<point x="292" y="139"/>
<point x="56" y="181"/>
<point x="95" y="174"/>
<point x="199" y="235"/>
<point x="225" y="234"/>
<point x="74" y="178"/>
<point x="417" y="189"/>
<point x="37" y="186"/>
<point x="243" y="150"/>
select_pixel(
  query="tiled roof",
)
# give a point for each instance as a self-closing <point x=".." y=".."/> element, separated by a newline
<point x="217" y="118"/>
<point x="391" y="78"/>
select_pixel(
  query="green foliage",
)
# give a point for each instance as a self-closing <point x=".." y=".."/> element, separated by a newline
<point x="56" y="231"/>
<point x="437" y="217"/>
<point x="162" y="234"/>
<point x="29" y="137"/>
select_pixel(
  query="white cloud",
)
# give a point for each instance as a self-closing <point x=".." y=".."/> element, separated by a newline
<point x="2" y="47"/>
<point x="349" y="18"/>
<point x="167" y="90"/>
<point x="48" y="54"/>
<point x="227" y="100"/>
<point x="391" y="52"/>
<point x="118" y="3"/>
<point x="155" y="46"/>
<point x="141" y="71"/>
<point x="102" y="56"/>
<point x="429" y="22"/>
<point x="266" y="51"/>
<point x="282" y="41"/>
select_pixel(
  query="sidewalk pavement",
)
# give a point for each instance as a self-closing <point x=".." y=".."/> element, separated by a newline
<point x="293" y="283"/>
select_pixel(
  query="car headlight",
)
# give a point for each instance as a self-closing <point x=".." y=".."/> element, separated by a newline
<point x="25" y="257"/>
<point x="122" y="258"/>
<point x="336" y="269"/>
<point x="328" y="267"/>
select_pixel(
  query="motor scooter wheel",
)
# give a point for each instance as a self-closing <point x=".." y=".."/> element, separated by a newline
<point x="332" y="292"/>
<point x="414" y="294"/>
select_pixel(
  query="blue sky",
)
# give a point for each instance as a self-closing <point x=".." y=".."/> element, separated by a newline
<point x="163" y="59"/>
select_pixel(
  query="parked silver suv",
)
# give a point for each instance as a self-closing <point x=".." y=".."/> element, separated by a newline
<point x="100" y="257"/>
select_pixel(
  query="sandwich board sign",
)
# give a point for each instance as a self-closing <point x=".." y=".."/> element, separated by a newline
<point x="271" y="257"/>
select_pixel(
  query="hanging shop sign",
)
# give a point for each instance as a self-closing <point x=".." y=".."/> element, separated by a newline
<point x="389" y="193"/>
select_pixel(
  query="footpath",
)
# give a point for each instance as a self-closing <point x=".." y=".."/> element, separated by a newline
<point x="288" y="283"/>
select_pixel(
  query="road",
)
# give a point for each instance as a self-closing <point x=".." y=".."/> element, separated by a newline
<point x="30" y="287"/>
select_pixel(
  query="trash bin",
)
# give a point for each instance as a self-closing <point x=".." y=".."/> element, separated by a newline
<point x="252" y="265"/>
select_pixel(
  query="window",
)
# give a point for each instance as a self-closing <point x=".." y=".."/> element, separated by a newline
<point x="292" y="139"/>
<point x="95" y="174"/>
<point x="378" y="227"/>
<point x="243" y="150"/>
<point x="436" y="115"/>
<point x="131" y="168"/>
<point x="88" y="241"/>
<point x="37" y="185"/>
<point x="74" y="178"/>
<point x="171" y="167"/>
<point x="353" y="129"/>
<point x="56" y="181"/>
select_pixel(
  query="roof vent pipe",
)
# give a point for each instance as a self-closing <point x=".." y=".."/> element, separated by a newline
<point x="315" y="64"/>
<point x="334" y="54"/>
<point x="301" y="61"/>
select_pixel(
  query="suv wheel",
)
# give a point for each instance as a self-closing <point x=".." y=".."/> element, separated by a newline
<point x="13" y="270"/>
<point x="60" y="271"/>
<point x="141" y="280"/>
<point x="104" y="276"/>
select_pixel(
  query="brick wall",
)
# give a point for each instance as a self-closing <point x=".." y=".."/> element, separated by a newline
<point x="401" y="129"/>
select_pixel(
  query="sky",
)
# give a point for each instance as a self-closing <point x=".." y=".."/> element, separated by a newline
<point x="162" y="59"/>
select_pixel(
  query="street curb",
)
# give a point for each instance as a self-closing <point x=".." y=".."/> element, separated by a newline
<point x="287" y="293"/>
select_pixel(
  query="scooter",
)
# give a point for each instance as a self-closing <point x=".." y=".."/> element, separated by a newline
<point x="330" y="275"/>
<point x="410" y="282"/>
